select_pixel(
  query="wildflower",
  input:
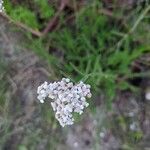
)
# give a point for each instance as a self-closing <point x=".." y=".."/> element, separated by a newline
<point x="75" y="144"/>
<point x="102" y="134"/>
<point x="1" y="6"/>
<point x="66" y="98"/>
<point x="147" y="95"/>
<point x="133" y="126"/>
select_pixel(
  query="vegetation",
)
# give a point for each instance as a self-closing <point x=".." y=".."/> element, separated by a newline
<point x="92" y="43"/>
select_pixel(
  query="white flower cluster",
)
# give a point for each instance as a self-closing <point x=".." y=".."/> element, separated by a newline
<point x="134" y="126"/>
<point x="1" y="6"/>
<point x="66" y="98"/>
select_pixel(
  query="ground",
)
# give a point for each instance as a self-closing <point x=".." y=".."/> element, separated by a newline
<point x="27" y="124"/>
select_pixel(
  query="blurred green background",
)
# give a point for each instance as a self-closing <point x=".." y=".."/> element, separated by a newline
<point x="103" y="43"/>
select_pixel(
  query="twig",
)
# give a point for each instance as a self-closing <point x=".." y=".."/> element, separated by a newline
<point x="51" y="24"/>
<point x="48" y="28"/>
<point x="53" y="21"/>
<point x="21" y="25"/>
<point x="107" y="12"/>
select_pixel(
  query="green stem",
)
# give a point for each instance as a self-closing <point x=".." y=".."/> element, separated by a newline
<point x="134" y="26"/>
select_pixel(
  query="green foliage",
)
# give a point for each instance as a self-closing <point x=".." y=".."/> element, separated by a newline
<point x="91" y="53"/>
<point x="46" y="11"/>
<point x="89" y="45"/>
<point x="22" y="14"/>
<point x="25" y="16"/>
<point x="135" y="136"/>
<point x="29" y="17"/>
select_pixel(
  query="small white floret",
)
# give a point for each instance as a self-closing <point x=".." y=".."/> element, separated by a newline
<point x="147" y="95"/>
<point x="66" y="98"/>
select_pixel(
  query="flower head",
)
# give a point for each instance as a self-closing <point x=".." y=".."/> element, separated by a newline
<point x="66" y="98"/>
<point x="1" y="6"/>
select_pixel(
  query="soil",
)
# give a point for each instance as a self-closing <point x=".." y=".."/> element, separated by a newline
<point x="25" y="71"/>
